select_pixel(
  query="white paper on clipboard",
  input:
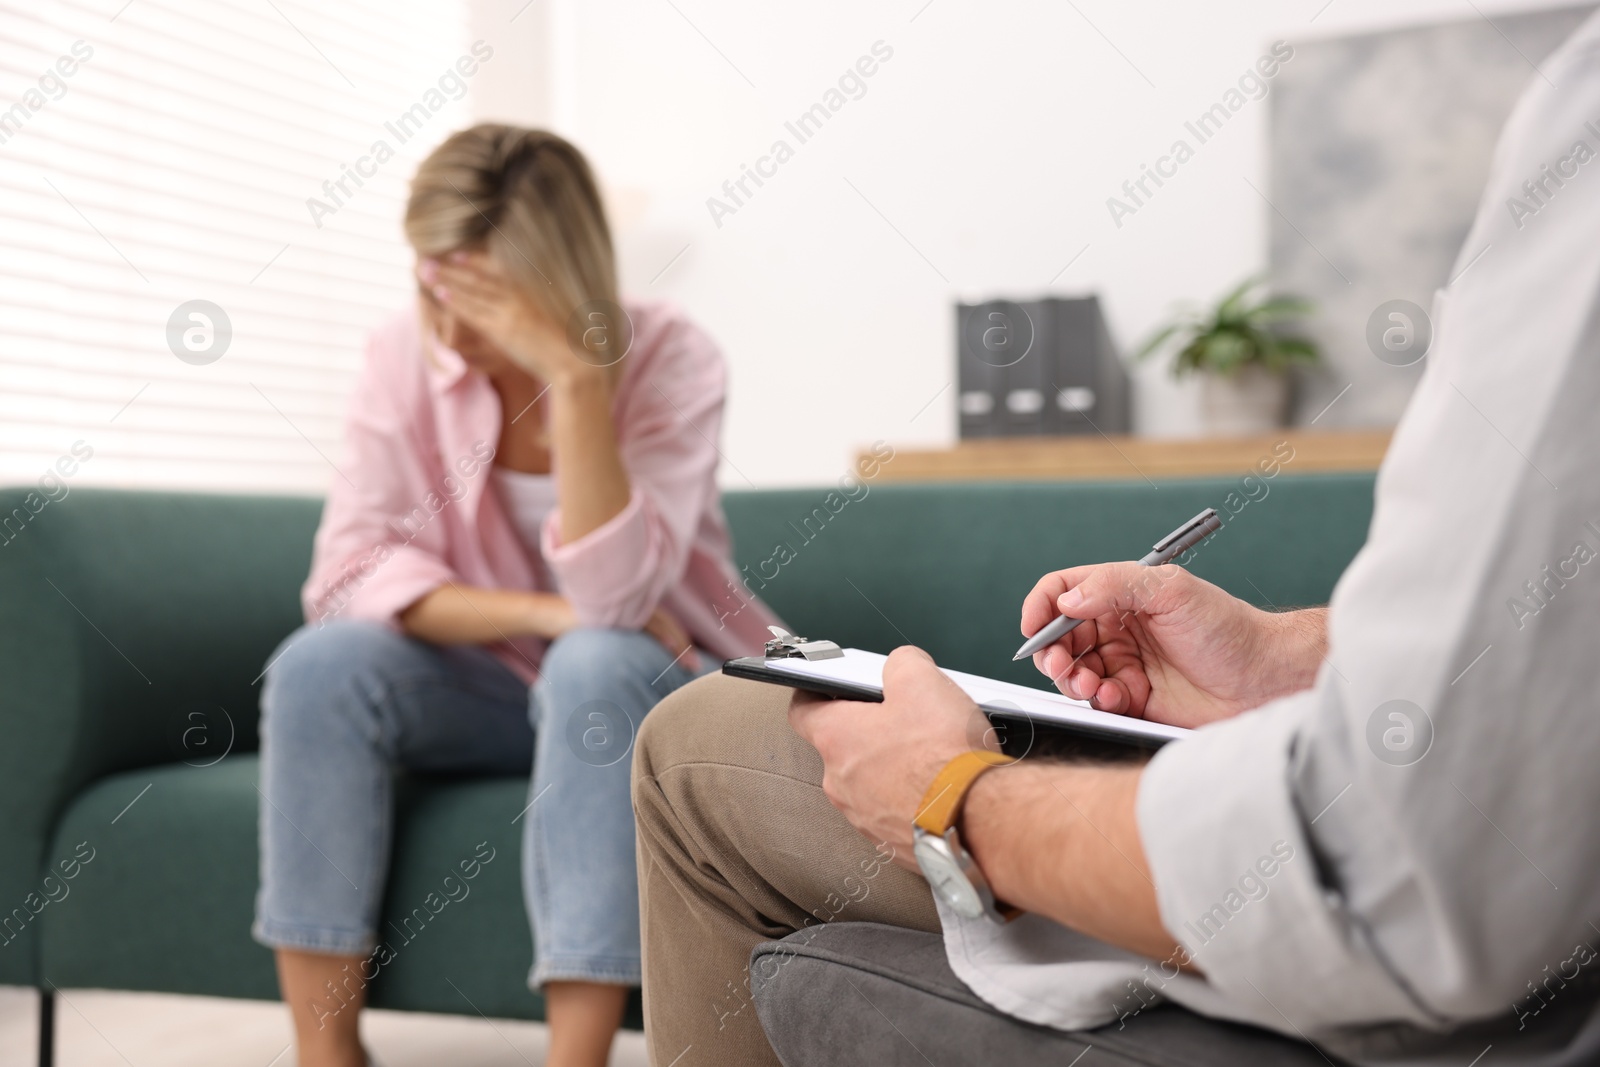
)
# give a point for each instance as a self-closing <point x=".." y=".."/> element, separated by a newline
<point x="866" y="669"/>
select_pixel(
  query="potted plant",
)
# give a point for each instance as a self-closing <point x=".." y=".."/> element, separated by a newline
<point x="1243" y="350"/>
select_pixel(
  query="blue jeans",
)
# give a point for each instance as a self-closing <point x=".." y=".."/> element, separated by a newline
<point x="347" y="704"/>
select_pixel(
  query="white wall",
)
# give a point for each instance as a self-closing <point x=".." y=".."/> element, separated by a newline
<point x="990" y="141"/>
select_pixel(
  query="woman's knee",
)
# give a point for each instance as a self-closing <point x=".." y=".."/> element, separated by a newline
<point x="315" y="663"/>
<point x="597" y="684"/>
<point x="592" y="653"/>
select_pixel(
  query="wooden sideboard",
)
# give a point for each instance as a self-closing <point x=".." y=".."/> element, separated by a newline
<point x="1104" y="457"/>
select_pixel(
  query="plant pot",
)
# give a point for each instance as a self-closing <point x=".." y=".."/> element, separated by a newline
<point x="1252" y="401"/>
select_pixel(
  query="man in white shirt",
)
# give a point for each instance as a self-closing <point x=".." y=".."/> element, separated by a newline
<point x="1384" y="843"/>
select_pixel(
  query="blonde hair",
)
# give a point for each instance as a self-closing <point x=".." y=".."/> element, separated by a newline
<point x="529" y="199"/>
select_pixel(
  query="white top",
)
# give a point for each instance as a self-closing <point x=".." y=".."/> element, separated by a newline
<point x="1416" y="838"/>
<point x="529" y="500"/>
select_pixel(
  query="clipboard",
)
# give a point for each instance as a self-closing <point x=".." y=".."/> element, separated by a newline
<point x="1020" y="715"/>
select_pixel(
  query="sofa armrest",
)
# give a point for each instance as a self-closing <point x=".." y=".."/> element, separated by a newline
<point x="126" y="619"/>
<point x="42" y="707"/>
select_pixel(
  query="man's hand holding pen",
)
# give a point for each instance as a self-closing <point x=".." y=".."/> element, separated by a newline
<point x="1158" y="643"/>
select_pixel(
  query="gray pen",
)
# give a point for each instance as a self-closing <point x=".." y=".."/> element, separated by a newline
<point x="1167" y="549"/>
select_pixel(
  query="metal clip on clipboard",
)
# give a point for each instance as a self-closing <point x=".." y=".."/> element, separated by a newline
<point x="785" y="645"/>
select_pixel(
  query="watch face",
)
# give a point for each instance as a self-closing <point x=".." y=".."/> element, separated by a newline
<point x="945" y="876"/>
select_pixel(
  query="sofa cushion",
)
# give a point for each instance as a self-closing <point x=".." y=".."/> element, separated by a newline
<point x="166" y="901"/>
<point x="870" y="993"/>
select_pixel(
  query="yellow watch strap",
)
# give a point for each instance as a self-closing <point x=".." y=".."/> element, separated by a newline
<point x="942" y="802"/>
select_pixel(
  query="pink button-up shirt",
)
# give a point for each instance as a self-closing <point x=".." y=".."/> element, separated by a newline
<point x="413" y="508"/>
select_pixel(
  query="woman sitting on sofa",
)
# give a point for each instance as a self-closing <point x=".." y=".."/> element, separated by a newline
<point x="527" y="499"/>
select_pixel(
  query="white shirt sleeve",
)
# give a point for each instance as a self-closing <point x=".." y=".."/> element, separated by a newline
<point x="1438" y="788"/>
<point x="1413" y="839"/>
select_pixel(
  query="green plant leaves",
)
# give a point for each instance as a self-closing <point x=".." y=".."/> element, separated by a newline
<point x="1246" y="327"/>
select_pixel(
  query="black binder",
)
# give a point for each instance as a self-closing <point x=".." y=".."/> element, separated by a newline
<point x="1038" y="367"/>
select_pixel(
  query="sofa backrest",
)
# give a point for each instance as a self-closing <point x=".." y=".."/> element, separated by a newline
<point x="946" y="566"/>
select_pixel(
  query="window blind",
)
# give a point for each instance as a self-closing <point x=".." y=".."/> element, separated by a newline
<point x="180" y="175"/>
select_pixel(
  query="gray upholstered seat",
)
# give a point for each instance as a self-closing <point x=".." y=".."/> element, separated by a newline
<point x="864" y="993"/>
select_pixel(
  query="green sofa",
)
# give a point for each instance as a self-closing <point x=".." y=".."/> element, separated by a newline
<point x="134" y="627"/>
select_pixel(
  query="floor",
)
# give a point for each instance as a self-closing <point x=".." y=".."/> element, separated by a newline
<point x="103" y="1029"/>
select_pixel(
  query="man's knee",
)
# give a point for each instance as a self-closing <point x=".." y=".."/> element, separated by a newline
<point x="725" y="721"/>
<point x="676" y="724"/>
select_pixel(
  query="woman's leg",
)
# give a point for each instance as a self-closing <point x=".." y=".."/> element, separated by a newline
<point x="323" y="1037"/>
<point x="342" y="707"/>
<point x="583" y="1018"/>
<point x="578" y="845"/>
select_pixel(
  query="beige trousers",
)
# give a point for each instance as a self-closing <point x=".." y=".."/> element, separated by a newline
<point x="738" y="845"/>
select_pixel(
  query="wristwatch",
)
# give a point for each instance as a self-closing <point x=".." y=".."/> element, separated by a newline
<point x="948" y="867"/>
